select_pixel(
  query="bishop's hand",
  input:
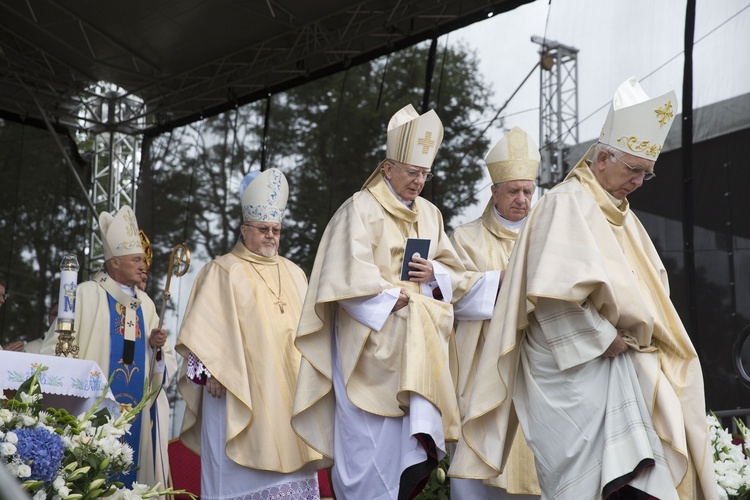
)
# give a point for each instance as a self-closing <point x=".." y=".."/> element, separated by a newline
<point x="214" y="387"/>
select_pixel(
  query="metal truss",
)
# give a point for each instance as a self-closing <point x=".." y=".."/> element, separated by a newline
<point x="60" y="48"/>
<point x="558" y="109"/>
<point x="115" y="160"/>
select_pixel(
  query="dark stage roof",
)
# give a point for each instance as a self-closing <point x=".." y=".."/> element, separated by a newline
<point x="191" y="58"/>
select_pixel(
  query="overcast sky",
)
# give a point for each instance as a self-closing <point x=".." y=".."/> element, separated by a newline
<point x="616" y="40"/>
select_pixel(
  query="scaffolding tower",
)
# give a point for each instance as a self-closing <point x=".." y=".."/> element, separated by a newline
<point x="112" y="118"/>
<point x="558" y="109"/>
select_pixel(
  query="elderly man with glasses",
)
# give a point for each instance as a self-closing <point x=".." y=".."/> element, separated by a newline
<point x="375" y="392"/>
<point x="585" y="348"/>
<point x="238" y="340"/>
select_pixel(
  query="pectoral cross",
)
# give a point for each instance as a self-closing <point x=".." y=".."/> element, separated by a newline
<point x="281" y="305"/>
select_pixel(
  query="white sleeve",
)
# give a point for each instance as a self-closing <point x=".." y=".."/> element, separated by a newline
<point x="372" y="310"/>
<point x="479" y="301"/>
<point x="442" y="281"/>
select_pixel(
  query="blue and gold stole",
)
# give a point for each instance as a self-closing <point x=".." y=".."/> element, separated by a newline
<point x="127" y="383"/>
<point x="127" y="359"/>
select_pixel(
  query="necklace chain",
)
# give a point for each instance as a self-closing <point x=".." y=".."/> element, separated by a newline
<point x="279" y="302"/>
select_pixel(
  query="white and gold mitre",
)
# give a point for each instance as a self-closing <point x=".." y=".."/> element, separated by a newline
<point x="414" y="139"/>
<point x="120" y="235"/>
<point x="265" y="197"/>
<point x="636" y="124"/>
<point x="514" y="157"/>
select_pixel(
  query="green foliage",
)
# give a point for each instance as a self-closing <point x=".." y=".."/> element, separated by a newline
<point x="438" y="486"/>
<point x="42" y="215"/>
<point x="338" y="137"/>
<point x="327" y="136"/>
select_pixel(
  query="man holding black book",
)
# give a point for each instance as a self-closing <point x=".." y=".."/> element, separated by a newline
<point x="375" y="392"/>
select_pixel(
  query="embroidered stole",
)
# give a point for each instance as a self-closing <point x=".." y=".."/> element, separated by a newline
<point x="127" y="361"/>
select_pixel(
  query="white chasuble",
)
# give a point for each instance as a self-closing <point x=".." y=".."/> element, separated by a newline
<point x="578" y="247"/>
<point x="381" y="371"/>
<point x="235" y="325"/>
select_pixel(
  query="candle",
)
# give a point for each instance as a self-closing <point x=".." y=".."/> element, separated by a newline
<point x="67" y="298"/>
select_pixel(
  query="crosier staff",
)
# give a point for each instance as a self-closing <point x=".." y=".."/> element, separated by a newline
<point x="179" y="263"/>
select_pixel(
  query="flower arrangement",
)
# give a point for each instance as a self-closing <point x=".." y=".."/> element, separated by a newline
<point x="57" y="456"/>
<point x="731" y="460"/>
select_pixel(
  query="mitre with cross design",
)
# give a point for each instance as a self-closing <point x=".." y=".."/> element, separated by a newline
<point x="120" y="234"/>
<point x="637" y="124"/>
<point x="413" y="138"/>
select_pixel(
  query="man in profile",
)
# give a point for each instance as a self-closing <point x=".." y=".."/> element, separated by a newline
<point x="585" y="348"/>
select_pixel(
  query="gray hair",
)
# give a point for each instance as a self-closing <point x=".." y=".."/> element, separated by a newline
<point x="600" y="146"/>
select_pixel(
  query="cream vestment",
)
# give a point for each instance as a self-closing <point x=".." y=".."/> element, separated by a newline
<point x="584" y="268"/>
<point x="234" y="325"/>
<point x="384" y="368"/>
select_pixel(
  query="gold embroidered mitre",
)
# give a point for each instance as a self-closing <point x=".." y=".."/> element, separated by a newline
<point x="120" y="234"/>
<point x="636" y="124"/>
<point x="265" y="197"/>
<point x="514" y="157"/>
<point x="414" y="139"/>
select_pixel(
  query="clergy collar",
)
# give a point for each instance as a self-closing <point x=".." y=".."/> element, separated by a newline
<point x="508" y="224"/>
<point x="129" y="290"/>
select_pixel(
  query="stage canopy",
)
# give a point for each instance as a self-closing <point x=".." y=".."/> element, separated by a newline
<point x="182" y="60"/>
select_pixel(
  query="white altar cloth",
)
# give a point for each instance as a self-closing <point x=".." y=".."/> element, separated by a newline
<point x="73" y="384"/>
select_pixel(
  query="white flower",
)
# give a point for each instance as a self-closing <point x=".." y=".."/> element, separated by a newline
<point x="7" y="449"/>
<point x="23" y="470"/>
<point x="64" y="491"/>
<point x="25" y="398"/>
<point x="27" y="420"/>
<point x="58" y="483"/>
<point x="11" y="438"/>
<point x="40" y="495"/>
<point x="5" y="415"/>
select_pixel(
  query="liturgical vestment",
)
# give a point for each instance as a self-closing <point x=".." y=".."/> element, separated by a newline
<point x="364" y="376"/>
<point x="583" y="269"/>
<point x="235" y="326"/>
<point x="484" y="246"/>
<point x="98" y="317"/>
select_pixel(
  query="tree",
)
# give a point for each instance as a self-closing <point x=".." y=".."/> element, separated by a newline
<point x="327" y="136"/>
<point x="338" y="137"/>
<point x="42" y="216"/>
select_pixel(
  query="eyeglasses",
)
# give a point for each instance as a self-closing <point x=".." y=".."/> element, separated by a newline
<point x="413" y="174"/>
<point x="637" y="171"/>
<point x="266" y="229"/>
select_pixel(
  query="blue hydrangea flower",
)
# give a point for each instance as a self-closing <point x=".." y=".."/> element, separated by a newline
<point x="42" y="450"/>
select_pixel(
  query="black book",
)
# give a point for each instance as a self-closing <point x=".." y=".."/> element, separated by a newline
<point x="415" y="247"/>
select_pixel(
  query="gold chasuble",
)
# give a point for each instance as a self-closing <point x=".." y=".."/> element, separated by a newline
<point x="360" y="255"/>
<point x="234" y="324"/>
<point x="483" y="245"/>
<point x="577" y="246"/>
